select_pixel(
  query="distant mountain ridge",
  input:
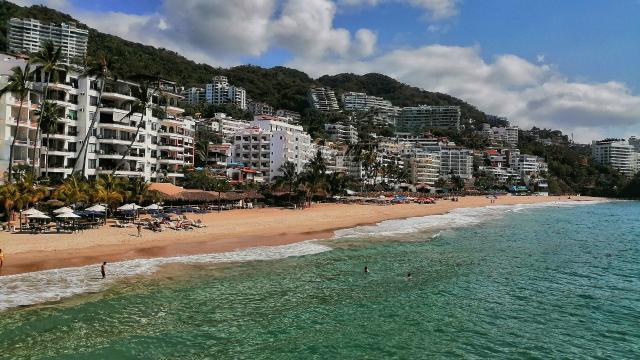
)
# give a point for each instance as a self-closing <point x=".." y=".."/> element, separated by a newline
<point x="279" y="86"/>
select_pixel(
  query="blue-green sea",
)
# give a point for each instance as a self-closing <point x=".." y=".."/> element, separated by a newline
<point x="521" y="282"/>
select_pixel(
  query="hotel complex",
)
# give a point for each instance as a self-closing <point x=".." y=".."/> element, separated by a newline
<point x="423" y="117"/>
<point x="27" y="35"/>
<point x="617" y="153"/>
<point x="161" y="149"/>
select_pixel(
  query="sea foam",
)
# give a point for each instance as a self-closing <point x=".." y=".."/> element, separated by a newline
<point x="52" y="285"/>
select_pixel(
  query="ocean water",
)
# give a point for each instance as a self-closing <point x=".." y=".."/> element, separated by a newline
<point x="536" y="282"/>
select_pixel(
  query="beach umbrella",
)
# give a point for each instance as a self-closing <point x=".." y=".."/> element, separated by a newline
<point x="96" y="208"/>
<point x="32" y="211"/>
<point x="63" y="210"/>
<point x="153" y="207"/>
<point x="38" y="216"/>
<point x="129" y="207"/>
<point x="68" y="215"/>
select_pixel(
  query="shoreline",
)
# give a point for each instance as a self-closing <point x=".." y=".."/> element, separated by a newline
<point x="226" y="231"/>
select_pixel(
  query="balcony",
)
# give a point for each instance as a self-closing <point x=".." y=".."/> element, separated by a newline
<point x="113" y="93"/>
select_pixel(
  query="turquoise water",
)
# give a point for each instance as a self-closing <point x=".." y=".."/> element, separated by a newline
<point x="537" y="283"/>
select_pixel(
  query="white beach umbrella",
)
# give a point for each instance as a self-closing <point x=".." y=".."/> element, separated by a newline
<point x="96" y="208"/>
<point x="32" y="211"/>
<point x="63" y="210"/>
<point x="68" y="215"/>
<point x="38" y="216"/>
<point x="153" y="207"/>
<point x="131" y="206"/>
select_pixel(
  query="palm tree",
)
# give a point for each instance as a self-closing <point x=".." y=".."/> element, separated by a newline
<point x="74" y="189"/>
<point x="109" y="190"/>
<point x="102" y="69"/>
<point x="48" y="60"/>
<point x="289" y="176"/>
<point x="317" y="165"/>
<point x="219" y="185"/>
<point x="49" y="114"/>
<point x="311" y="185"/>
<point x="19" y="83"/>
<point x="12" y="198"/>
<point x="144" y="100"/>
<point x="137" y="190"/>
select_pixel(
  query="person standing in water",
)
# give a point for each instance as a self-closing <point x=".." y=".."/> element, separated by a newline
<point x="102" y="269"/>
<point x="408" y="276"/>
<point x="1" y="258"/>
<point x="366" y="269"/>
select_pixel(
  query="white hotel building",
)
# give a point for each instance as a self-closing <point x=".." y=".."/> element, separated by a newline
<point x="618" y="154"/>
<point x="268" y="144"/>
<point x="455" y="161"/>
<point x="27" y="35"/>
<point x="162" y="147"/>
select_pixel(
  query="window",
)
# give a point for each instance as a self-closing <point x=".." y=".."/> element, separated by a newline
<point x="93" y="163"/>
<point x="93" y="101"/>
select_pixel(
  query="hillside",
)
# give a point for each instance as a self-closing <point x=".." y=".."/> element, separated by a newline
<point x="279" y="86"/>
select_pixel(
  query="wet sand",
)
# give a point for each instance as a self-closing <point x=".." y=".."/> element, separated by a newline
<point x="225" y="231"/>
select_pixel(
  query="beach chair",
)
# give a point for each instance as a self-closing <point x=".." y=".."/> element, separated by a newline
<point x="121" y="225"/>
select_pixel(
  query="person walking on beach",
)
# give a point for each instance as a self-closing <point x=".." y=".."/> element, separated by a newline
<point x="139" y="230"/>
<point x="102" y="269"/>
<point x="1" y="258"/>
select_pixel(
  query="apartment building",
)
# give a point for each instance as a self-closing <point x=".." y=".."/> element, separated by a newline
<point x="456" y="161"/>
<point x="220" y="92"/>
<point x="420" y="118"/>
<point x="161" y="149"/>
<point x="218" y="155"/>
<point x="344" y="133"/>
<point x="323" y="99"/>
<point x="528" y="165"/>
<point x="293" y="115"/>
<point x="223" y="124"/>
<point x="194" y="95"/>
<point x="260" y="108"/>
<point x="616" y="153"/>
<point x="501" y="135"/>
<point x="423" y="166"/>
<point x="28" y="35"/>
<point x="333" y="155"/>
<point x="268" y="144"/>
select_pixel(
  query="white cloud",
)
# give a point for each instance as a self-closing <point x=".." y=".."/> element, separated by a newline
<point x="527" y="93"/>
<point x="435" y="9"/>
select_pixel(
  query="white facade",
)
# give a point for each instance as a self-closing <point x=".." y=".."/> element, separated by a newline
<point x="334" y="157"/>
<point x="506" y="135"/>
<point x="342" y="133"/>
<point x="419" y="118"/>
<point x="27" y="36"/>
<point x="323" y="99"/>
<point x="193" y="96"/>
<point x="456" y="162"/>
<point x="225" y="125"/>
<point x="618" y="154"/>
<point x="221" y="92"/>
<point x="423" y="166"/>
<point x="268" y="144"/>
<point x="260" y="108"/>
<point x="293" y="115"/>
<point x="528" y="165"/>
<point x="161" y="149"/>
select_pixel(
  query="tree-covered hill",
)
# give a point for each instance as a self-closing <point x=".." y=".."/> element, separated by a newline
<point x="279" y="86"/>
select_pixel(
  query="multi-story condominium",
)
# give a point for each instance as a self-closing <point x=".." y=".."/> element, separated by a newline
<point x="501" y="135"/>
<point x="502" y="175"/>
<point x="268" y="144"/>
<point x="323" y="99"/>
<point x="284" y="119"/>
<point x="635" y="142"/>
<point x="618" y="154"/>
<point x="343" y="133"/>
<point x="27" y="36"/>
<point x="358" y="101"/>
<point x="420" y="118"/>
<point x="221" y="92"/>
<point x="223" y="124"/>
<point x="334" y="157"/>
<point x="455" y="161"/>
<point x="218" y="155"/>
<point x="260" y="108"/>
<point x="293" y="115"/>
<point x="423" y="166"/>
<point x="161" y="149"/>
<point x="529" y="165"/>
<point x="194" y="95"/>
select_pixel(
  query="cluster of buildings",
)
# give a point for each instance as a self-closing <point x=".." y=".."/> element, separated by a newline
<point x="218" y="92"/>
<point x="381" y="112"/>
<point x="623" y="155"/>
<point x="26" y="36"/>
<point x="162" y="147"/>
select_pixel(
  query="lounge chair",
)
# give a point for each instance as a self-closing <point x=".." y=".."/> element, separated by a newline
<point x="121" y="225"/>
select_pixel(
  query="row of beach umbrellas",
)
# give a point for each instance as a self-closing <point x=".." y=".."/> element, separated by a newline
<point x="67" y="213"/>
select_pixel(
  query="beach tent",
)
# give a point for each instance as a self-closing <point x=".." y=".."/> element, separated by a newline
<point x="32" y="211"/>
<point x="38" y="216"/>
<point x="96" y="208"/>
<point x="68" y="215"/>
<point x="129" y="207"/>
<point x="153" y="207"/>
<point x="63" y="210"/>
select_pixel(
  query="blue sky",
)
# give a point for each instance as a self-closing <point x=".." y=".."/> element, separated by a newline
<point x="568" y="64"/>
